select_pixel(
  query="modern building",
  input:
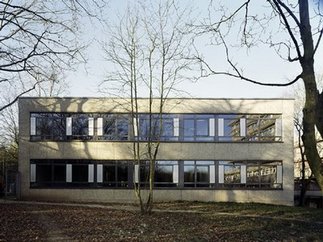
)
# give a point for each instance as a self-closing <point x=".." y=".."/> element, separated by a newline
<point x="80" y="149"/>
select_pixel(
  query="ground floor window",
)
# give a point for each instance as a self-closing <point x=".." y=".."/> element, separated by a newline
<point x="49" y="173"/>
<point x="166" y="174"/>
<point x="250" y="174"/>
<point x="199" y="173"/>
<point x="188" y="174"/>
<point x="114" y="173"/>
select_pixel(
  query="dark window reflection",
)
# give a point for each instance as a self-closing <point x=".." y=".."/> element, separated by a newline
<point x="197" y="173"/>
<point x="115" y="174"/>
<point x="80" y="173"/>
<point x="50" y="126"/>
<point x="80" y="125"/>
<point x="115" y="127"/>
<point x="59" y="174"/>
<point x="43" y="173"/>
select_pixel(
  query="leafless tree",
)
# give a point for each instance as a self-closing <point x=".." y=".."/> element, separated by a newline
<point x="149" y="54"/>
<point x="285" y="27"/>
<point x="37" y="37"/>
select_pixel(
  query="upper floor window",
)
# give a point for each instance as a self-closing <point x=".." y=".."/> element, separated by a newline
<point x="154" y="127"/>
<point x="48" y="126"/>
<point x="264" y="127"/>
<point x="113" y="127"/>
<point x="168" y="127"/>
<point x="198" y="127"/>
<point x="229" y="127"/>
<point x="80" y="126"/>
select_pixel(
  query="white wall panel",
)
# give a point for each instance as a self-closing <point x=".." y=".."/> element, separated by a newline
<point x="243" y="174"/>
<point x="68" y="173"/>
<point x="176" y="127"/>
<point x="69" y="126"/>
<point x="175" y="174"/>
<point x="33" y="126"/>
<point x="91" y="126"/>
<point x="221" y="173"/>
<point x="279" y="174"/>
<point x="100" y="126"/>
<point x="211" y="127"/>
<point x="220" y="127"/>
<point x="32" y="172"/>
<point x="242" y="127"/>
<point x="135" y="126"/>
<point x="278" y="127"/>
<point x="212" y="174"/>
<point x="136" y="173"/>
<point x="91" y="173"/>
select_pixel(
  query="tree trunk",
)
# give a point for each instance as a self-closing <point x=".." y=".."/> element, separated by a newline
<point x="311" y="94"/>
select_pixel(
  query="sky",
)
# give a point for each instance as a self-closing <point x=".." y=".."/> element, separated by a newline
<point x="260" y="63"/>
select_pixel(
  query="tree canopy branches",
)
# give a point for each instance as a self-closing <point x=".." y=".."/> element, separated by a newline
<point x="279" y="28"/>
<point x="38" y="38"/>
<point x="295" y="38"/>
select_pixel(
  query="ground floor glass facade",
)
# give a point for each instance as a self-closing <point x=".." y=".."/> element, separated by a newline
<point x="187" y="174"/>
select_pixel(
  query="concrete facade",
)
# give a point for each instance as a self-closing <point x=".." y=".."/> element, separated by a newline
<point x="100" y="150"/>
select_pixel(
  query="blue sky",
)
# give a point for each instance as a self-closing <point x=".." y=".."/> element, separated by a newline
<point x="259" y="63"/>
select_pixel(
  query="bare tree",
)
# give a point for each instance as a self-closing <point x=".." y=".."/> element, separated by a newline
<point x="36" y="37"/>
<point x="286" y="29"/>
<point x="150" y="54"/>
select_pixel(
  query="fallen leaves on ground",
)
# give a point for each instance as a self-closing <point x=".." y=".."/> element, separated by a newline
<point x="25" y="222"/>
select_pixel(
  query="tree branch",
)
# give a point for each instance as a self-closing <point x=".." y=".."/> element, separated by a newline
<point x="318" y="41"/>
<point x="18" y="96"/>
<point x="288" y="27"/>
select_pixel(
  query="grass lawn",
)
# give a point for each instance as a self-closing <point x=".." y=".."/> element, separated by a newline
<point x="178" y="221"/>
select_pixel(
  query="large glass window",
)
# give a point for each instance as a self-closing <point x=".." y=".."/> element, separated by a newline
<point x="262" y="127"/>
<point x="59" y="172"/>
<point x="50" y="172"/>
<point x="253" y="177"/>
<point x="43" y="173"/>
<point x="264" y="174"/>
<point x="80" y="173"/>
<point x="166" y="173"/>
<point x="198" y="173"/>
<point x="115" y="127"/>
<point x="197" y="127"/>
<point x="168" y="127"/>
<point x="49" y="126"/>
<point x="156" y="129"/>
<point x="229" y="127"/>
<point x="189" y="127"/>
<point x="250" y="174"/>
<point x="231" y="174"/>
<point x="115" y="174"/>
<point x="191" y="174"/>
<point x="172" y="127"/>
<point x="149" y="127"/>
<point x="80" y="126"/>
